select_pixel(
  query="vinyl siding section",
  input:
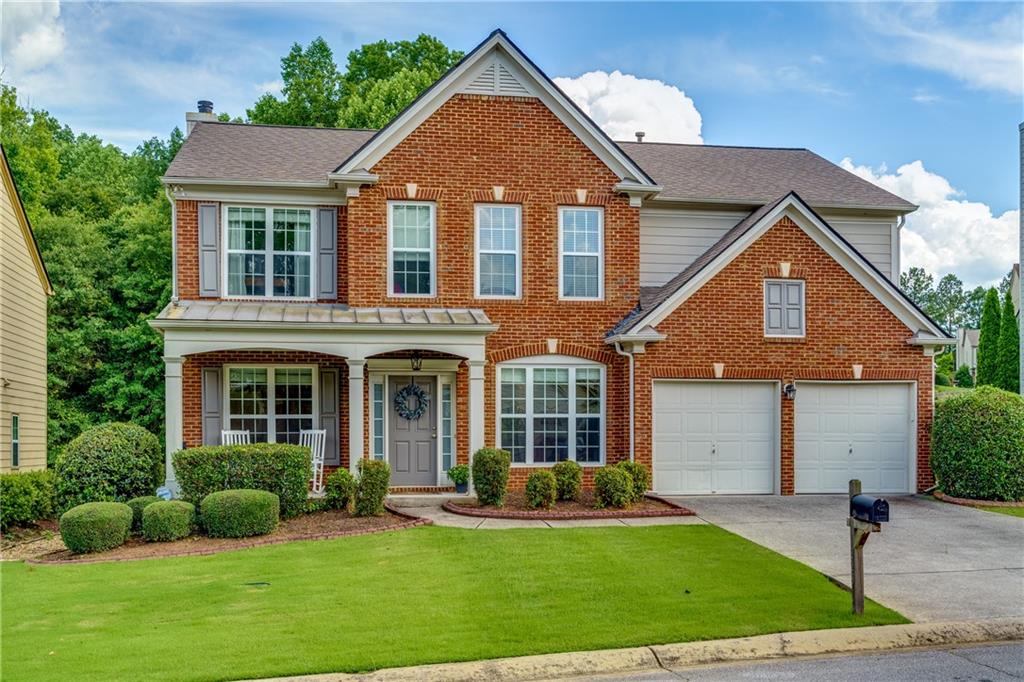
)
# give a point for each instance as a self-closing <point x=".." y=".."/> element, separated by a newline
<point x="22" y="342"/>
<point x="671" y="239"/>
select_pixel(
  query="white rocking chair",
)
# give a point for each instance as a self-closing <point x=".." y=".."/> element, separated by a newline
<point x="315" y="440"/>
<point x="234" y="437"/>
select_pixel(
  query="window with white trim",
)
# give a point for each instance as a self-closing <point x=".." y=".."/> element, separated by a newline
<point x="580" y="240"/>
<point x="272" y="403"/>
<point x="411" y="257"/>
<point x="498" y="241"/>
<point x="15" y="440"/>
<point x="551" y="412"/>
<point x="269" y="251"/>
<point x="783" y="307"/>
<point x="378" y="419"/>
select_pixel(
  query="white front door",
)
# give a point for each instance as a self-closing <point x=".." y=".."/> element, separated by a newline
<point x="714" y="437"/>
<point x="861" y="430"/>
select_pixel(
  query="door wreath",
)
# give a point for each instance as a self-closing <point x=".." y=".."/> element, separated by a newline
<point x="402" y="402"/>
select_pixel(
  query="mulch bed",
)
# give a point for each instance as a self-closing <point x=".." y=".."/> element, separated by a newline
<point x="939" y="495"/>
<point x="515" y="508"/>
<point x="316" y="526"/>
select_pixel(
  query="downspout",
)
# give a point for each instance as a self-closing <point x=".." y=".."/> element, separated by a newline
<point x="174" y="245"/>
<point x="632" y="405"/>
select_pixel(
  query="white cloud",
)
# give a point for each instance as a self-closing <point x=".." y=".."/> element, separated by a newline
<point x="622" y="104"/>
<point x="32" y="35"/>
<point x="274" y="87"/>
<point x="948" y="233"/>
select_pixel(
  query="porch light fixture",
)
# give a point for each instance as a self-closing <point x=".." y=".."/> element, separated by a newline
<point x="789" y="390"/>
<point x="416" y="360"/>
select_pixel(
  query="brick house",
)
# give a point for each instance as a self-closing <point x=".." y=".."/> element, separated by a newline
<point x="491" y="269"/>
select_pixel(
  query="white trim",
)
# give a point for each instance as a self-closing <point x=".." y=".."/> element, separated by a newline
<point x="531" y="78"/>
<point x="518" y="252"/>
<point x="256" y="193"/>
<point x="600" y="253"/>
<point x="552" y="362"/>
<point x="882" y="288"/>
<point x="433" y="248"/>
<point x="803" y="306"/>
<point x="271" y="399"/>
<point x="430" y="365"/>
<point x="268" y="252"/>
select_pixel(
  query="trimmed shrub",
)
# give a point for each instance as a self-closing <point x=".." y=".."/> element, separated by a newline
<point x="96" y="526"/>
<point x="490" y="475"/>
<point x="138" y="504"/>
<point x="372" y="488"/>
<point x="277" y="468"/>
<point x="613" y="487"/>
<point x="541" y="490"/>
<point x="109" y="463"/>
<point x="963" y="377"/>
<point x="240" y="513"/>
<point x="568" y="480"/>
<point x="641" y="478"/>
<point x="340" y="489"/>
<point x="942" y="380"/>
<point x="978" y="445"/>
<point x="166" y="521"/>
<point x="25" y="497"/>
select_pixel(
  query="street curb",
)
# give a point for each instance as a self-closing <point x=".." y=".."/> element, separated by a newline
<point x="686" y="654"/>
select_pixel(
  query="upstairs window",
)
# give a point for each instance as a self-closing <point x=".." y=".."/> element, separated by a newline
<point x="269" y="252"/>
<point x="581" y="272"/>
<point x="498" y="243"/>
<point x="411" y="259"/>
<point x="783" y="307"/>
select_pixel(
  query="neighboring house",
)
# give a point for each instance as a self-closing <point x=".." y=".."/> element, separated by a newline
<point x="967" y="348"/>
<point x="24" y="287"/>
<point x="726" y="315"/>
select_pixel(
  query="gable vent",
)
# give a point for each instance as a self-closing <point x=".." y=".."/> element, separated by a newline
<point x="484" y="83"/>
<point x="497" y="79"/>
<point x="509" y="84"/>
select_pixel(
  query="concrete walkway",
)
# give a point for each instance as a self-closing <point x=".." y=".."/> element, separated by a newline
<point x="932" y="562"/>
<point x="430" y="508"/>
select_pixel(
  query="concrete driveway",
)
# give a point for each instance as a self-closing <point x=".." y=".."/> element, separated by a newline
<point x="932" y="562"/>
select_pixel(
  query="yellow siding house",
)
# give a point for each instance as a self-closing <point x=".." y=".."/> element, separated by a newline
<point x="24" y="286"/>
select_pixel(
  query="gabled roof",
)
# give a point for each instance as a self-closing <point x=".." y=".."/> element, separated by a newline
<point x="657" y="303"/>
<point x="23" y="223"/>
<point x="756" y="175"/>
<point x="531" y="79"/>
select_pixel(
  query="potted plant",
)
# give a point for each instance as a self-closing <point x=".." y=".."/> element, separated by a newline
<point x="459" y="475"/>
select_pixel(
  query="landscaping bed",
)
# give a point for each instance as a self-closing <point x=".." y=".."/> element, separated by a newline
<point x="18" y="544"/>
<point x="315" y="526"/>
<point x="516" y="507"/>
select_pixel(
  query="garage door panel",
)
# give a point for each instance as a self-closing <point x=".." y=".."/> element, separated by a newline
<point x="668" y="423"/>
<point x="698" y="422"/>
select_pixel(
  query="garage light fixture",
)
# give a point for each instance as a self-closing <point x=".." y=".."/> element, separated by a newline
<point x="789" y="390"/>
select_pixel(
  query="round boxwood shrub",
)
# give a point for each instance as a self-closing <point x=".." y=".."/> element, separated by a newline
<point x="372" y="488"/>
<point x="168" y="521"/>
<point x="978" y="445"/>
<point x="568" y="480"/>
<point x="138" y="504"/>
<point x="240" y="513"/>
<point x="109" y="463"/>
<point x="541" y="490"/>
<point x="339" y="489"/>
<point x="613" y="487"/>
<point x="641" y="478"/>
<point x="490" y="475"/>
<point x="96" y="526"/>
<point x="25" y="497"/>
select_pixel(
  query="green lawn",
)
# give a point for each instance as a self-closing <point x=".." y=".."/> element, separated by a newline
<point x="1009" y="511"/>
<point x="417" y="596"/>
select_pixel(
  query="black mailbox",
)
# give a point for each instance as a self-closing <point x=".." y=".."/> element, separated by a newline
<point x="870" y="509"/>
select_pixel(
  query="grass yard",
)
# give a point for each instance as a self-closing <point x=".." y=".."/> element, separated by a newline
<point x="418" y="596"/>
<point x="1009" y="511"/>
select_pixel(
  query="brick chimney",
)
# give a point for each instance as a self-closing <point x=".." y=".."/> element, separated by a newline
<point x="203" y="113"/>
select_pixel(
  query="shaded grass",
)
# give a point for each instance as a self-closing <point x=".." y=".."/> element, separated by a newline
<point x="1009" y="511"/>
<point x="419" y="596"/>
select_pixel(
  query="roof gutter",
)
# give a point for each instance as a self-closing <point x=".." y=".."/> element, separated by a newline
<point x="414" y="327"/>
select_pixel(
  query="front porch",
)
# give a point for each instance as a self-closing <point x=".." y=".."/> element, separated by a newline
<point x="273" y="370"/>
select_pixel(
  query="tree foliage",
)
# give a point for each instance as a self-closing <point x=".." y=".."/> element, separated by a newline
<point x="312" y="90"/>
<point x="1008" y="358"/>
<point x="988" y="340"/>
<point x="947" y="302"/>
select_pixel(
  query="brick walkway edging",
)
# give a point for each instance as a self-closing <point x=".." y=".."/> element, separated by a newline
<point x="408" y="521"/>
<point x="966" y="502"/>
<point x="672" y="509"/>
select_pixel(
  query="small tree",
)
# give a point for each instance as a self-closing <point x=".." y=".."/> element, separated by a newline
<point x="963" y="377"/>
<point x="1008" y="359"/>
<point x="988" y="342"/>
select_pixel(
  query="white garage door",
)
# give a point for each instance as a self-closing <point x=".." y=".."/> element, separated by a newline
<point x="846" y="431"/>
<point x="714" y="437"/>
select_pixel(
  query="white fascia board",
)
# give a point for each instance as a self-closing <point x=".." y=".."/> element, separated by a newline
<point x="854" y="263"/>
<point x="753" y="203"/>
<point x="273" y="193"/>
<point x="317" y="327"/>
<point x="609" y="153"/>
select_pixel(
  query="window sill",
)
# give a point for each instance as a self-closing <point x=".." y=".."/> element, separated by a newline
<point x="785" y="339"/>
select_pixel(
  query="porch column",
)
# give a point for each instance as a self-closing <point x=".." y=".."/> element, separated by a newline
<point x="476" y="406"/>
<point x="175" y="432"/>
<point x="356" y="441"/>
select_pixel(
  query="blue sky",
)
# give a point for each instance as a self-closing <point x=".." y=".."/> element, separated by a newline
<point x="923" y="99"/>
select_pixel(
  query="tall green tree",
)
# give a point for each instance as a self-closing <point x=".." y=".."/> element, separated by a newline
<point x="312" y="90"/>
<point x="1008" y="362"/>
<point x="988" y="341"/>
